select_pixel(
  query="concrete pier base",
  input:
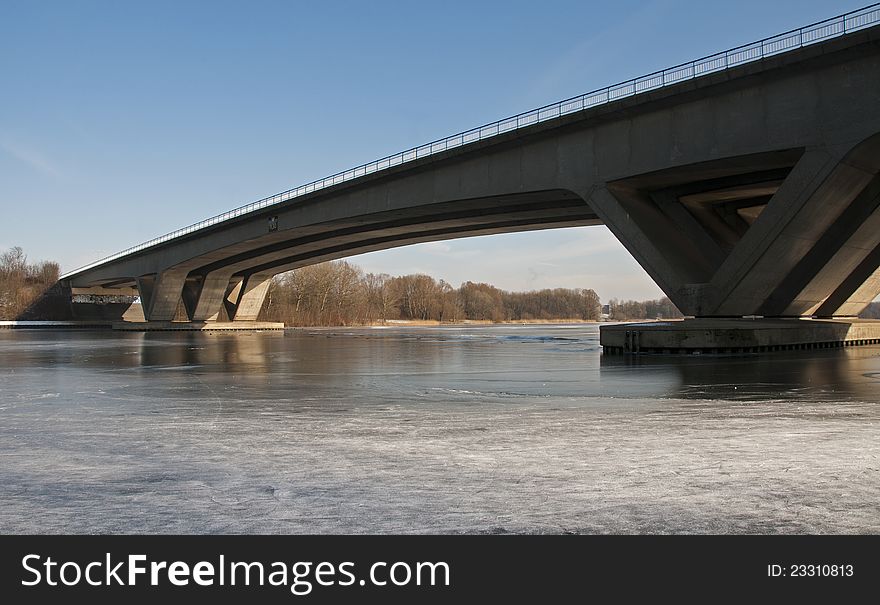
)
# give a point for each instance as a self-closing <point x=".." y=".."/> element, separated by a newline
<point x="733" y="336"/>
<point x="196" y="326"/>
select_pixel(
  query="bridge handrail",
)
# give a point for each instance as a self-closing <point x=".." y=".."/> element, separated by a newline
<point x="747" y="53"/>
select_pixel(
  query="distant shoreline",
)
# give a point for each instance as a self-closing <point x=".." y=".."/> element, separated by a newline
<point x="465" y="322"/>
<point x="402" y="323"/>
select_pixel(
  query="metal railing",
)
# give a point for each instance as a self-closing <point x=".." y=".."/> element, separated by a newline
<point x="781" y="43"/>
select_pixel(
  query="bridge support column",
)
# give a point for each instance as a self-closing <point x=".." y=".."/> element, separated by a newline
<point x="857" y="291"/>
<point x="161" y="294"/>
<point x="245" y="299"/>
<point x="820" y="225"/>
<point x="786" y="234"/>
<point x="778" y="250"/>
<point x="208" y="294"/>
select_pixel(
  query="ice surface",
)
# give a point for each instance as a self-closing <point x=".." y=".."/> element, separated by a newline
<point x="427" y="430"/>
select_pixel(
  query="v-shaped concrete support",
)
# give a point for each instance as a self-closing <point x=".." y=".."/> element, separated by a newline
<point x="212" y="289"/>
<point x="774" y="270"/>
<point x="161" y="294"/>
<point x="244" y="299"/>
<point x="811" y="249"/>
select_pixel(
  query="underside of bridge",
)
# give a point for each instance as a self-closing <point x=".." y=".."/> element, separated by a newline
<point x="752" y="192"/>
<point x="790" y="233"/>
<point x="232" y="286"/>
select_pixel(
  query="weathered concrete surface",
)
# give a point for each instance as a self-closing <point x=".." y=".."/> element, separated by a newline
<point x="753" y="191"/>
<point x="737" y="335"/>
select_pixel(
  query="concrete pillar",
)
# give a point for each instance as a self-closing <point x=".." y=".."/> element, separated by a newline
<point x="247" y="296"/>
<point x="778" y="240"/>
<point x="859" y="288"/>
<point x="655" y="241"/>
<point x="821" y="222"/>
<point x="836" y="258"/>
<point x="134" y="313"/>
<point x="190" y="295"/>
<point x="823" y="215"/>
<point x="161" y="294"/>
<point x="233" y="291"/>
<point x="668" y="202"/>
<point x="212" y="290"/>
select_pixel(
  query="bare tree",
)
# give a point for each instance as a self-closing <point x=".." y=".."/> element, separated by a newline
<point x="338" y="293"/>
<point x="21" y="284"/>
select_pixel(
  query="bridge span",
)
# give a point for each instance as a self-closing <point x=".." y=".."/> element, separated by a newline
<point x="745" y="183"/>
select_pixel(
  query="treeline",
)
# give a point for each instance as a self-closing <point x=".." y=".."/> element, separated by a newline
<point x="339" y="293"/>
<point x="22" y="283"/>
<point x="662" y="308"/>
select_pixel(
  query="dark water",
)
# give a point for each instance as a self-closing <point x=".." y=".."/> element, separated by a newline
<point x="477" y="429"/>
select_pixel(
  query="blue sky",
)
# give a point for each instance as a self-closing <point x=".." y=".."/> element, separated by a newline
<point x="121" y="121"/>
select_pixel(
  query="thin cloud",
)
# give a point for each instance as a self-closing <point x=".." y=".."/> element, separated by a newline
<point x="30" y="157"/>
<point x="445" y="250"/>
<point x="435" y="247"/>
<point x="591" y="51"/>
<point x="567" y="258"/>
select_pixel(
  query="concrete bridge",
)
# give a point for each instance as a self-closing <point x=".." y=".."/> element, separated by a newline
<point x="745" y="183"/>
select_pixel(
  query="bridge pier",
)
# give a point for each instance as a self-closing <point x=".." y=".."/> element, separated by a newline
<point x="793" y="252"/>
<point x="209" y="292"/>
<point x="208" y="300"/>
<point x="700" y="336"/>
<point x="161" y="293"/>
<point x="797" y="240"/>
<point x="245" y="300"/>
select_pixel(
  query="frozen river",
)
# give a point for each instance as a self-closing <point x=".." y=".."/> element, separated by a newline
<point x="438" y="430"/>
